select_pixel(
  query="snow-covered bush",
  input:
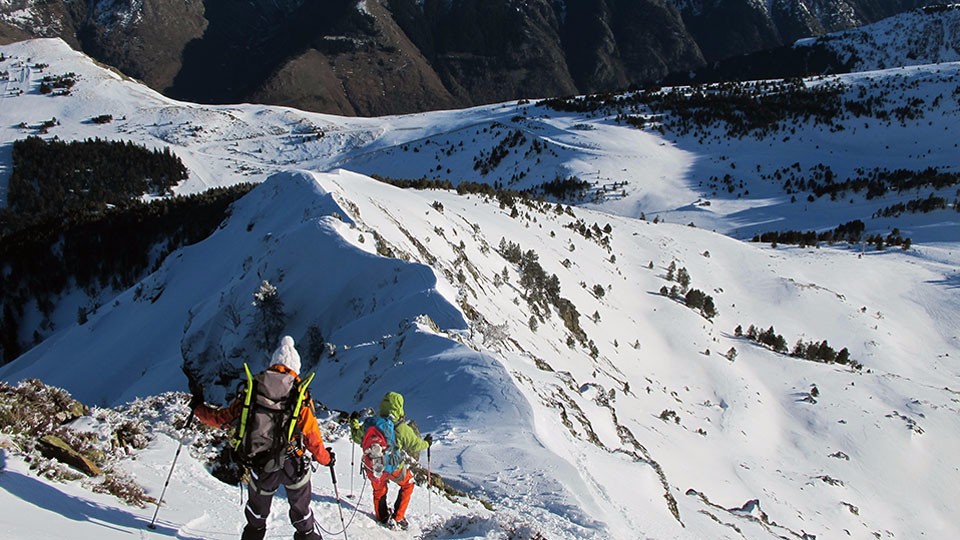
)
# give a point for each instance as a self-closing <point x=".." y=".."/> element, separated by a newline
<point x="485" y="527"/>
<point x="33" y="409"/>
<point x="32" y="415"/>
<point x="124" y="487"/>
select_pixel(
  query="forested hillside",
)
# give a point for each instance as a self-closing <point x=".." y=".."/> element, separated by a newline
<point x="52" y="178"/>
<point x="83" y="258"/>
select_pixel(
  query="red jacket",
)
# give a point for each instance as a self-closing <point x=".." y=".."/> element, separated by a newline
<point x="306" y="424"/>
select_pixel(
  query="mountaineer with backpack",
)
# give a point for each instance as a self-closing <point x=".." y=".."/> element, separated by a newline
<point x="275" y="425"/>
<point x="387" y="441"/>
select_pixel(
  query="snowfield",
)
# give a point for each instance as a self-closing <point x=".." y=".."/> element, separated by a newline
<point x="654" y="422"/>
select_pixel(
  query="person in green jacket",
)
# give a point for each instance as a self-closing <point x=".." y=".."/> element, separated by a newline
<point x="408" y="445"/>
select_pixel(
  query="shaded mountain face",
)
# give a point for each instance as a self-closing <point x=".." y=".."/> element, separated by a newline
<point x="727" y="28"/>
<point x="374" y="57"/>
<point x="928" y="35"/>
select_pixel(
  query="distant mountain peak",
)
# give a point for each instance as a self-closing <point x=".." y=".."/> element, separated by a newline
<point x="928" y="35"/>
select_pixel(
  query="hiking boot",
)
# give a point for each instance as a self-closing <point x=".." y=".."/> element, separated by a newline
<point x="395" y="525"/>
<point x="309" y="535"/>
<point x="251" y="533"/>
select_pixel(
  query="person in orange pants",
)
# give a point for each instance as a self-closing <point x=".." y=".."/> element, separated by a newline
<point x="403" y="478"/>
<point x="393" y="462"/>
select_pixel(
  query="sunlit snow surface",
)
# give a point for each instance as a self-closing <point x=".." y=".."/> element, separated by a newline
<point x="558" y="442"/>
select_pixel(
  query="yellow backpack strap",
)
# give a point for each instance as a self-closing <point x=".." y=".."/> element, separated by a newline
<point x="245" y="412"/>
<point x="296" y="411"/>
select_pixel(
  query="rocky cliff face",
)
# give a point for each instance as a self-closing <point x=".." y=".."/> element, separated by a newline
<point x="363" y="63"/>
<point x="143" y="38"/>
<point x="373" y="57"/>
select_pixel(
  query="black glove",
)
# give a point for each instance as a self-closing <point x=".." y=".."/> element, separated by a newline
<point x="429" y="439"/>
<point x="196" y="399"/>
<point x="354" y="415"/>
<point x="333" y="457"/>
<point x="196" y="391"/>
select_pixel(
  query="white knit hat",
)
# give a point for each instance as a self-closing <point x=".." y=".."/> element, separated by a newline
<point x="287" y="355"/>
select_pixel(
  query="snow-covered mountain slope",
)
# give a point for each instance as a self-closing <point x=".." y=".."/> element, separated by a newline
<point x="729" y="182"/>
<point x="637" y="421"/>
<point x="928" y="35"/>
<point x="541" y="427"/>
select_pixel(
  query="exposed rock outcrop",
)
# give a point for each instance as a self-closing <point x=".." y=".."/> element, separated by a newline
<point x="56" y="448"/>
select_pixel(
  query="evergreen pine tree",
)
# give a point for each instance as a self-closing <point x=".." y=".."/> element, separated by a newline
<point x="709" y="310"/>
<point x="683" y="278"/>
<point x="270" y="318"/>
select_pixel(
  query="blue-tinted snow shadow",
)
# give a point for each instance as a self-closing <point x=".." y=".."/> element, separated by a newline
<point x="950" y="282"/>
<point x="42" y="495"/>
<point x="323" y="498"/>
<point x="351" y="508"/>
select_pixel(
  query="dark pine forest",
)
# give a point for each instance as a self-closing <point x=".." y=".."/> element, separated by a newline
<point x="76" y="220"/>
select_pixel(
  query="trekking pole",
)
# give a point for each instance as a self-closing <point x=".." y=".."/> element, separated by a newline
<point x="333" y="476"/>
<point x="429" y="481"/>
<point x="186" y="427"/>
<point x="353" y="448"/>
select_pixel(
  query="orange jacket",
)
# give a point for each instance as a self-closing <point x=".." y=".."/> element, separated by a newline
<point x="306" y="424"/>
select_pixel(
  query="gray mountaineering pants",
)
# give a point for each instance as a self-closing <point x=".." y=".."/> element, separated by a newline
<point x="295" y="478"/>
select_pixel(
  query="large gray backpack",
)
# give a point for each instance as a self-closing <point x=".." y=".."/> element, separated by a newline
<point x="267" y="424"/>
